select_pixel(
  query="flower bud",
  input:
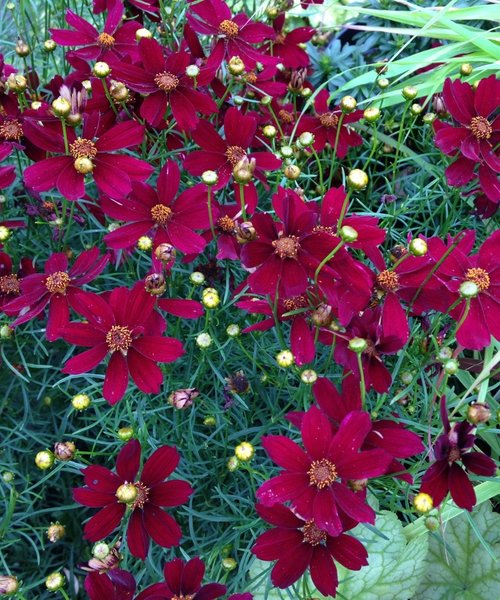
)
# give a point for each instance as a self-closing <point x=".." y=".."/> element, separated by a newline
<point x="143" y="33"/>
<point x="322" y="315"/>
<point x="383" y="83"/>
<point x="372" y="114"/>
<point x="478" y="412"/>
<point x="119" y="91"/>
<point x="229" y="564"/>
<point x="233" y="464"/>
<point x="468" y="289"/>
<point x="125" y="433"/>
<point x="101" y="69"/>
<point x="210" y="298"/>
<point x="197" y="278"/>
<point x="144" y="243"/>
<point x="209" y="177"/>
<point x="358" y="345"/>
<point x="236" y="66"/>
<point x="17" y="83"/>
<point x="6" y="332"/>
<point x="418" y="247"/>
<point x="64" y="451"/>
<point x="466" y="69"/>
<point x="36" y="105"/>
<point x="306" y="139"/>
<point x="56" y="532"/>
<point x="49" y="46"/>
<point x="358" y="485"/>
<point x="348" y="104"/>
<point x="416" y="109"/>
<point x="348" y="234"/>
<point x="244" y="170"/>
<point x="80" y="401"/>
<point x="44" y="459"/>
<point x="74" y="119"/>
<point x="126" y="493"/>
<point x="245" y="232"/>
<point x="409" y="92"/>
<point x="357" y="179"/>
<point x="204" y="340"/>
<point x="55" y="581"/>
<point x="83" y="165"/>
<point x="285" y="359"/>
<point x="244" y="451"/>
<point x="286" y="151"/>
<point x="9" y="585"/>
<point x="4" y="233"/>
<point x="8" y="476"/>
<point x="431" y="523"/>
<point x="101" y="550"/>
<point x="233" y="330"/>
<point x="192" y="71"/>
<point x="155" y="283"/>
<point x="309" y="376"/>
<point x="429" y="118"/>
<point x="292" y="172"/>
<point x="209" y="421"/>
<point x="306" y="92"/>
<point x="22" y="48"/>
<point x="423" y="502"/>
<point x="451" y="366"/>
<point x="165" y="252"/>
<point x="269" y="131"/>
<point x="266" y="100"/>
<point x="183" y="398"/>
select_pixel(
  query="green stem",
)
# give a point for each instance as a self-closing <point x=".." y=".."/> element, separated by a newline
<point x="362" y="386"/>
<point x="65" y="136"/>
<point x="398" y="146"/>
<point x="210" y="215"/>
<point x="326" y="259"/>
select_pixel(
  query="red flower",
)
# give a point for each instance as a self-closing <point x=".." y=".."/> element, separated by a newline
<point x="126" y="326"/>
<point x="58" y="287"/>
<point x="8" y="173"/>
<point x="112" y="173"/>
<point x="116" y="40"/>
<point x="325" y="126"/>
<point x="445" y="475"/>
<point x="172" y="219"/>
<point x="299" y="544"/>
<point x="183" y="581"/>
<point x="310" y="480"/>
<point x="165" y="83"/>
<point x="235" y="35"/>
<point x="10" y="284"/>
<point x="476" y="138"/>
<point x="287" y="45"/>
<point x="143" y="495"/>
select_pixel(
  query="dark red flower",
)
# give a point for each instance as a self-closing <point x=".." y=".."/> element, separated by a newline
<point x="299" y="544"/>
<point x="126" y="326"/>
<point x="183" y="581"/>
<point x="58" y="287"/>
<point x="287" y="46"/>
<point x="139" y="496"/>
<point x="116" y="40"/>
<point x="171" y="218"/>
<point x="310" y="480"/>
<point x="445" y="474"/>
<point x="165" y="83"/>
<point x="325" y="124"/>
<point x="7" y="173"/>
<point x="10" y="282"/>
<point x="477" y="136"/>
<point x="115" y="584"/>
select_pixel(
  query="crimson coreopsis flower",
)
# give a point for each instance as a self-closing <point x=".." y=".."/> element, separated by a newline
<point x="169" y="218"/>
<point x="10" y="282"/>
<point x="236" y="35"/>
<point x="315" y="478"/>
<point x="57" y="287"/>
<point x="140" y="497"/>
<point x="325" y="124"/>
<point x="164" y="83"/>
<point x="299" y="545"/>
<point x="126" y="326"/>
<point x="287" y="45"/>
<point x="112" y="173"/>
<point x="286" y="253"/>
<point x="115" y="584"/>
<point x="183" y="580"/>
<point x="7" y="172"/>
<point x="116" y="40"/>
<point x="475" y="140"/>
<point x="445" y="474"/>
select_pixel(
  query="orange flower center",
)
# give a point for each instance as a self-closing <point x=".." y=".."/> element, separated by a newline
<point x="226" y="224"/>
<point x="142" y="495"/>
<point x="229" y="29"/>
<point x="388" y="281"/>
<point x="184" y="597"/>
<point x="11" y="130"/>
<point x="119" y="338"/>
<point x="454" y="454"/>
<point x="287" y="247"/>
<point x="295" y="303"/>
<point x="285" y="116"/>
<point x="161" y="214"/>
<point x="322" y="473"/>
<point x="166" y="81"/>
<point x="481" y="128"/>
<point x="479" y="276"/>
<point x="312" y="534"/>
<point x="105" y="40"/>
<point x="235" y="154"/>
<point x="9" y="284"/>
<point x="324" y="229"/>
<point x="58" y="282"/>
<point x="82" y="148"/>
<point x="328" y="120"/>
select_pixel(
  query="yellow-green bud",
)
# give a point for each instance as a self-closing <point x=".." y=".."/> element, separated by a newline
<point x="204" y="340"/>
<point x="269" y="132"/>
<point x="292" y="172"/>
<point x="468" y="289"/>
<point x="143" y="33"/>
<point x="210" y="298"/>
<point x="423" y="503"/>
<point x="101" y="69"/>
<point x="233" y="330"/>
<point x="357" y="179"/>
<point x="192" y="71"/>
<point x="229" y="564"/>
<point x="478" y="412"/>
<point x="429" y="118"/>
<point x="144" y="243"/>
<point x="285" y="358"/>
<point x="409" y="92"/>
<point x="209" y="177"/>
<point x="372" y="114"/>
<point x="383" y="83"/>
<point x="348" y="104"/>
<point x="286" y="151"/>
<point x="100" y="550"/>
<point x="466" y="69"/>
<point x="55" y="581"/>
<point x="127" y="493"/>
<point x="418" y="247"/>
<point x="358" y="345"/>
<point x="209" y="421"/>
<point x="125" y="433"/>
<point x="80" y="401"/>
<point x="431" y="523"/>
<point x="236" y="66"/>
<point x="4" y="233"/>
<point x="83" y="165"/>
<point x="233" y="464"/>
<point x="6" y="332"/>
<point x="44" y="459"/>
<point x="22" y="48"/>
<point x="244" y="451"/>
<point x="49" y="45"/>
<point x="8" y="476"/>
<point x="348" y="234"/>
<point x="197" y="278"/>
<point x="309" y="376"/>
<point x="451" y="366"/>
<point x="56" y="532"/>
<point x="306" y="139"/>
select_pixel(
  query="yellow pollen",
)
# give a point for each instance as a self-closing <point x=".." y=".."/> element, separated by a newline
<point x="184" y="597"/>
<point x="295" y="303"/>
<point x="251" y="78"/>
<point x="58" y="282"/>
<point x="328" y="120"/>
<point x="142" y="495"/>
<point x="312" y="534"/>
<point x="322" y="473"/>
<point x="82" y="148"/>
<point x="11" y="130"/>
<point x="161" y="214"/>
<point x="481" y="128"/>
<point x="105" y="40"/>
<point x="229" y="29"/>
<point x="287" y="247"/>
<point x="479" y="276"/>
<point x="235" y="154"/>
<point x="388" y="281"/>
<point x="226" y="224"/>
<point x="324" y="229"/>
<point x="119" y="338"/>
<point x="166" y="81"/>
<point x="9" y="284"/>
<point x="285" y="116"/>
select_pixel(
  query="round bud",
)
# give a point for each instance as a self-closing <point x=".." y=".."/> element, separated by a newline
<point x="119" y="91"/>
<point x="245" y="232"/>
<point x="409" y="92"/>
<point x="83" y="165"/>
<point x="418" y="247"/>
<point x="101" y="550"/>
<point x="197" y="278"/>
<point x="183" y="398"/>
<point x="322" y="315"/>
<point x="61" y="107"/>
<point x="358" y="345"/>
<point x="44" y="459"/>
<point x="429" y="118"/>
<point x="236" y="66"/>
<point x="233" y="464"/>
<point x="348" y="234"/>
<point x="238" y="100"/>
<point x="285" y="358"/>
<point x="209" y="421"/>
<point x="74" y="119"/>
<point x="431" y="523"/>
<point x="416" y="109"/>
<point x="8" y="476"/>
<point x="306" y="139"/>
<point x="266" y="100"/>
<point x="423" y="502"/>
<point x="306" y="92"/>
<point x="233" y="330"/>
<point x="4" y="233"/>
<point x="210" y="298"/>
<point x="466" y="69"/>
<point x="272" y="12"/>
<point x="357" y="179"/>
<point x="292" y="172"/>
<point x="80" y="401"/>
<point x="9" y="585"/>
<point x="383" y="83"/>
<point x="22" y="48"/>
<point x="64" y="451"/>
<point x="54" y="582"/>
<point x="269" y="132"/>
<point x="101" y="69"/>
<point x="155" y="283"/>
<point x="143" y="33"/>
<point x="451" y="366"/>
<point x="17" y="83"/>
<point x="244" y="451"/>
<point x="286" y="151"/>
<point x="468" y="289"/>
<point x="445" y="353"/>
<point x="209" y="177"/>
<point x="165" y="252"/>
<point x="372" y="114"/>
<point x="6" y="332"/>
<point x="348" y="104"/>
<point x="229" y="564"/>
<point x="87" y="85"/>
<point x="406" y="377"/>
<point x="36" y="105"/>
<point x="204" y="340"/>
<point x="56" y="532"/>
<point x="144" y="243"/>
<point x="126" y="493"/>
<point x="125" y="433"/>
<point x="242" y="174"/>
<point x="192" y="71"/>
<point x="49" y="45"/>
<point x="478" y="412"/>
<point x="309" y="376"/>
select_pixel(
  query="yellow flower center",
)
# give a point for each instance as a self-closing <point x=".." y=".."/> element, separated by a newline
<point x="58" y="282"/>
<point x="481" y="128"/>
<point x="234" y="154"/>
<point x="166" y="81"/>
<point x="479" y="276"/>
<point x="105" y="40"/>
<point x="226" y="224"/>
<point x="9" y="284"/>
<point x="322" y="473"/>
<point x="312" y="534"/>
<point x="82" y="148"/>
<point x="119" y="337"/>
<point x="287" y="247"/>
<point x="11" y="130"/>
<point x="229" y="29"/>
<point x="161" y="214"/>
<point x="328" y="120"/>
<point x="388" y="281"/>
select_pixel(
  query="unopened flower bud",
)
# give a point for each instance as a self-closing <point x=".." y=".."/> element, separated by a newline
<point x="372" y="114"/>
<point x="83" y="165"/>
<point x="322" y="315"/>
<point x="56" y="532"/>
<point x="64" y="451"/>
<point x="423" y="502"/>
<point x="192" y="71"/>
<point x="269" y="131"/>
<point x="468" y="289"/>
<point x="357" y="485"/>
<point x="292" y="172"/>
<point x="309" y="376"/>
<point x="101" y="69"/>
<point x="4" y="233"/>
<point x="245" y="232"/>
<point x="9" y="585"/>
<point x="357" y="179"/>
<point x="126" y="493"/>
<point x="236" y="66"/>
<point x="49" y="45"/>
<point x="80" y="401"/>
<point x="244" y="170"/>
<point x="6" y="332"/>
<point x="125" y="433"/>
<point x="478" y="412"/>
<point x="165" y="252"/>
<point x="451" y="366"/>
<point x="306" y="92"/>
<point x="44" y="459"/>
<point x="17" y="83"/>
<point x="233" y="464"/>
<point x="61" y="107"/>
<point x="183" y="398"/>
<point x="210" y="298"/>
<point x="429" y="118"/>
<point x="383" y="83"/>
<point x="358" y="345"/>
<point x="416" y="109"/>
<point x="22" y="48"/>
<point x="431" y="523"/>
<point x="209" y="421"/>
<point x="204" y="340"/>
<point x="55" y="581"/>
<point x="418" y="247"/>
<point x="155" y="283"/>
<point x="119" y="91"/>
<point x="348" y="234"/>
<point x="8" y="476"/>
<point x="209" y="177"/>
<point x="244" y="451"/>
<point x="36" y="105"/>
<point x="348" y="104"/>
<point x="143" y="33"/>
<point x="229" y="564"/>
<point x="101" y="550"/>
<point x="409" y="92"/>
<point x="266" y="100"/>
<point x="233" y="330"/>
<point x="306" y="139"/>
<point x="144" y="243"/>
<point x="286" y="151"/>
<point x="466" y="69"/>
<point x="285" y="358"/>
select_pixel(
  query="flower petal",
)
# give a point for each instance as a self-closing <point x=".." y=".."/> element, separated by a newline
<point x="137" y="536"/>
<point x="170" y="493"/>
<point x="160" y="465"/>
<point x="104" y="522"/>
<point x="128" y="461"/>
<point x="161" y="527"/>
<point x="285" y="453"/>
